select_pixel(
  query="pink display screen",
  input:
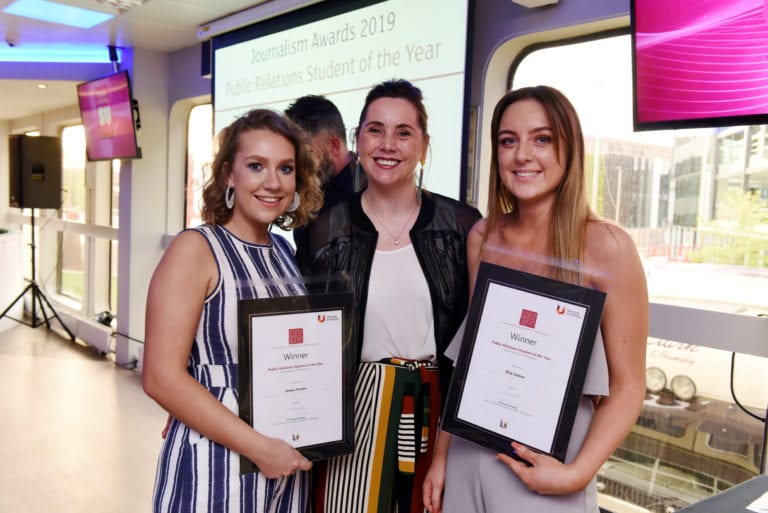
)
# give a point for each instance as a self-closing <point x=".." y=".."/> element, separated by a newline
<point x="106" y="109"/>
<point x="700" y="63"/>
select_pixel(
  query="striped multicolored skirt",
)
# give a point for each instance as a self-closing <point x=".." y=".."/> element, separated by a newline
<point x="397" y="407"/>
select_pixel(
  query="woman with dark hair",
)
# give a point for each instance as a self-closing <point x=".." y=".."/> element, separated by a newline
<point x="404" y="250"/>
<point x="262" y="174"/>
<point x="539" y="222"/>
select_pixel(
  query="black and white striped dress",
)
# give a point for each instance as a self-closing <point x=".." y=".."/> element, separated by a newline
<point x="195" y="474"/>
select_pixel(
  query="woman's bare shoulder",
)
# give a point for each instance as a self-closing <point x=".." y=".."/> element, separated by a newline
<point x="189" y="252"/>
<point x="480" y="226"/>
<point x="192" y="240"/>
<point x="608" y="244"/>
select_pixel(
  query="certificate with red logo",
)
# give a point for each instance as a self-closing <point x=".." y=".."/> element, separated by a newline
<point x="523" y="361"/>
<point x="295" y="371"/>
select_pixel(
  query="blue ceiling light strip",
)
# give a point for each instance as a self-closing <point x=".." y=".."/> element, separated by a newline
<point x="58" y="52"/>
<point x="57" y="13"/>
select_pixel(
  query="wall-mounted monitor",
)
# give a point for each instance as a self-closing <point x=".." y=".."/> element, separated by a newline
<point x="699" y="63"/>
<point x="107" y="111"/>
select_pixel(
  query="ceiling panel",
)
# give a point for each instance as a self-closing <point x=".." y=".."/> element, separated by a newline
<point x="21" y="98"/>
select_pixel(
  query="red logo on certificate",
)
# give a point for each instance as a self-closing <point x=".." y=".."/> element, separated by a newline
<point x="528" y="318"/>
<point x="296" y="336"/>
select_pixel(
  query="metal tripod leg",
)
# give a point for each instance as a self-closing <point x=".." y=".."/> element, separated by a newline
<point x="26" y="289"/>
<point x="38" y="297"/>
<point x="38" y="293"/>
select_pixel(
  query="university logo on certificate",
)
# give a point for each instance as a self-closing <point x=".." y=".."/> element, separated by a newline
<point x="523" y="361"/>
<point x="296" y="377"/>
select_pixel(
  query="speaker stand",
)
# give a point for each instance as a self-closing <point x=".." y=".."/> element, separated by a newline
<point x="38" y="296"/>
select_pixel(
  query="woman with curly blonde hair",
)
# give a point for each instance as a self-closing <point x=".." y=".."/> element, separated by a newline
<point x="262" y="175"/>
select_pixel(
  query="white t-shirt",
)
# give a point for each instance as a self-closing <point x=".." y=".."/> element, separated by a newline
<point x="398" y="315"/>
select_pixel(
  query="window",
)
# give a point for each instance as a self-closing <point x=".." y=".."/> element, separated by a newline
<point x="199" y="159"/>
<point x="115" y="222"/>
<point x="71" y="278"/>
<point x="86" y="266"/>
<point x="690" y="195"/>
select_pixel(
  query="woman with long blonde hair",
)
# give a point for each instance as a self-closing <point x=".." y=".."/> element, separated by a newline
<point x="539" y="222"/>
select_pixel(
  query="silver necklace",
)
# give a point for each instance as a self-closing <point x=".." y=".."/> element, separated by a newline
<point x="395" y="238"/>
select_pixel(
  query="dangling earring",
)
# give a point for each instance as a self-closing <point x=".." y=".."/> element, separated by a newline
<point x="421" y="180"/>
<point x="294" y="204"/>
<point x="229" y="197"/>
<point x="356" y="183"/>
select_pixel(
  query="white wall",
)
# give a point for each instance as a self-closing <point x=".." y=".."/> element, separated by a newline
<point x="143" y="184"/>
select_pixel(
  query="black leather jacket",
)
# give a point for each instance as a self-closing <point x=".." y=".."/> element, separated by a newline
<point x="343" y="240"/>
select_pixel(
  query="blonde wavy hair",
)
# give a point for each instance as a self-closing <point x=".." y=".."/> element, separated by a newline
<point x="215" y="210"/>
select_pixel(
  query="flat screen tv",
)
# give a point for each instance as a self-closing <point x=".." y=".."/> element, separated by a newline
<point x="107" y="111"/>
<point x="699" y="63"/>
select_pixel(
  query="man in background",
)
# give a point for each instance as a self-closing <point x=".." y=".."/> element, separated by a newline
<point x="322" y="122"/>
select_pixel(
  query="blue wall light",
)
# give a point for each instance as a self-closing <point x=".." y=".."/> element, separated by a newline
<point x="58" y="52"/>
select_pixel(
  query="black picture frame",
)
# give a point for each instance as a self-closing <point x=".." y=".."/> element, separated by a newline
<point x="571" y="300"/>
<point x="317" y="304"/>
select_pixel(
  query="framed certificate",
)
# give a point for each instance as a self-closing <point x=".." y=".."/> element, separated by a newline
<point x="523" y="361"/>
<point x="297" y="372"/>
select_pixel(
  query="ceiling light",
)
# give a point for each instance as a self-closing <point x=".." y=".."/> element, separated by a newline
<point x="57" y="13"/>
